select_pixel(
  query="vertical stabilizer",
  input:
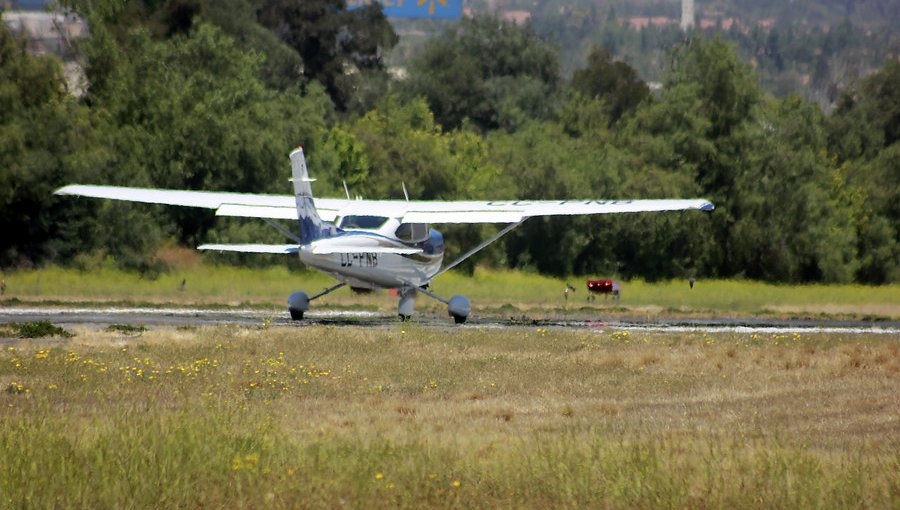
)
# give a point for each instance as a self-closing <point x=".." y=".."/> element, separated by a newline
<point x="311" y="226"/>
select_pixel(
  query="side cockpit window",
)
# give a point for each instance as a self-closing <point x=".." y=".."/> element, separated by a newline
<point x="362" y="222"/>
<point x="412" y="232"/>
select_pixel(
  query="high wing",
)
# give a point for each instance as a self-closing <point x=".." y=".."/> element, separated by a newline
<point x="252" y="205"/>
<point x="252" y="248"/>
<point x="284" y="207"/>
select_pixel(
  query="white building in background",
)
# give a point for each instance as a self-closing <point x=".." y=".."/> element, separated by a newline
<point x="52" y="33"/>
<point x="687" y="14"/>
<point x="47" y="32"/>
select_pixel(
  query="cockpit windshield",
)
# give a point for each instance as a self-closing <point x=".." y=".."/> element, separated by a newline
<point x="412" y="232"/>
<point x="363" y="222"/>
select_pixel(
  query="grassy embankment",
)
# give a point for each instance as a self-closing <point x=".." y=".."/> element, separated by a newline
<point x="502" y="292"/>
<point x="409" y="417"/>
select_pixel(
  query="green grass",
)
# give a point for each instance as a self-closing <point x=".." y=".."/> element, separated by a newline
<point x="714" y="295"/>
<point x="505" y="292"/>
<point x="226" y="284"/>
<point x="413" y="417"/>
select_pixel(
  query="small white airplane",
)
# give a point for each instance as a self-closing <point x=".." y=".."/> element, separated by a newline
<point x="370" y="244"/>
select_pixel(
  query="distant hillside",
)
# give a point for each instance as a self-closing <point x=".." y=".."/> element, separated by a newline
<point x="822" y="13"/>
<point x="814" y="48"/>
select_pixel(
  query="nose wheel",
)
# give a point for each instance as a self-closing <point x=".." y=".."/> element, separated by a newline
<point x="406" y="305"/>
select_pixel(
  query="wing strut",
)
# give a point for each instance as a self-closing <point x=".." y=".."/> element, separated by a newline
<point x="428" y="293"/>
<point x="329" y="289"/>
<point x="478" y="248"/>
<point x="279" y="227"/>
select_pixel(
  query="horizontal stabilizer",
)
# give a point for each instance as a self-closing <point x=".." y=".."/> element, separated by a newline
<point x="252" y="248"/>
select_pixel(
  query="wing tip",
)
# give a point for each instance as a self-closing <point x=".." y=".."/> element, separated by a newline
<point x="707" y="206"/>
<point x="65" y="190"/>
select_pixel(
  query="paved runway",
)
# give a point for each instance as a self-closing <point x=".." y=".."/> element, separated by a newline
<point x="173" y="317"/>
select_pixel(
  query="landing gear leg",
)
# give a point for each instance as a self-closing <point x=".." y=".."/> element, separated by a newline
<point x="406" y="305"/>
<point x="298" y="302"/>
<point x="458" y="306"/>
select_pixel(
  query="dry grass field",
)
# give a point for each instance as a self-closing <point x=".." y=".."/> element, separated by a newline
<point x="412" y="416"/>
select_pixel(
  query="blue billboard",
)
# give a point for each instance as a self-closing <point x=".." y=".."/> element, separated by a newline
<point x="433" y="9"/>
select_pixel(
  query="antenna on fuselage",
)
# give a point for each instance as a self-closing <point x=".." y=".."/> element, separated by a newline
<point x="346" y="190"/>
<point x="405" y="194"/>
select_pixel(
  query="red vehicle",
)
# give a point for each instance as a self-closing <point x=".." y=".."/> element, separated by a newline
<point x="603" y="286"/>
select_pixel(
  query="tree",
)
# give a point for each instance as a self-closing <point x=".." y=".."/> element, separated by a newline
<point x="544" y="162"/>
<point x="864" y="134"/>
<point x="727" y="86"/>
<point x="301" y="41"/>
<point x="46" y="139"/>
<point x="876" y="192"/>
<point x="657" y="153"/>
<point x="519" y="81"/>
<point x="789" y="222"/>
<point x="867" y="117"/>
<point x="726" y="96"/>
<point x="616" y="84"/>
<point x="342" y="49"/>
<point x="191" y="112"/>
<point x="282" y="68"/>
<point x="402" y="145"/>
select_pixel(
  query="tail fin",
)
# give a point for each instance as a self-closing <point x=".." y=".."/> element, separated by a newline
<point x="311" y="226"/>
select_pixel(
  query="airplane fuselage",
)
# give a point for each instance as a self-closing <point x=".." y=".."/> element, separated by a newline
<point x="376" y="269"/>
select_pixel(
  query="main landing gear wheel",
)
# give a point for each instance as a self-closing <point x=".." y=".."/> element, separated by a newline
<point x="298" y="302"/>
<point x="459" y="308"/>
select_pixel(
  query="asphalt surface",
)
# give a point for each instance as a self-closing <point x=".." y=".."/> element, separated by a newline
<point x="175" y="317"/>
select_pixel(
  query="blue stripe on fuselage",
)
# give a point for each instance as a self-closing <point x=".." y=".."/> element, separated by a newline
<point x="434" y="245"/>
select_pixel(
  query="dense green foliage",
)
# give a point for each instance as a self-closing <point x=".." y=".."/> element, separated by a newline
<point x="212" y="95"/>
<point x="490" y="73"/>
